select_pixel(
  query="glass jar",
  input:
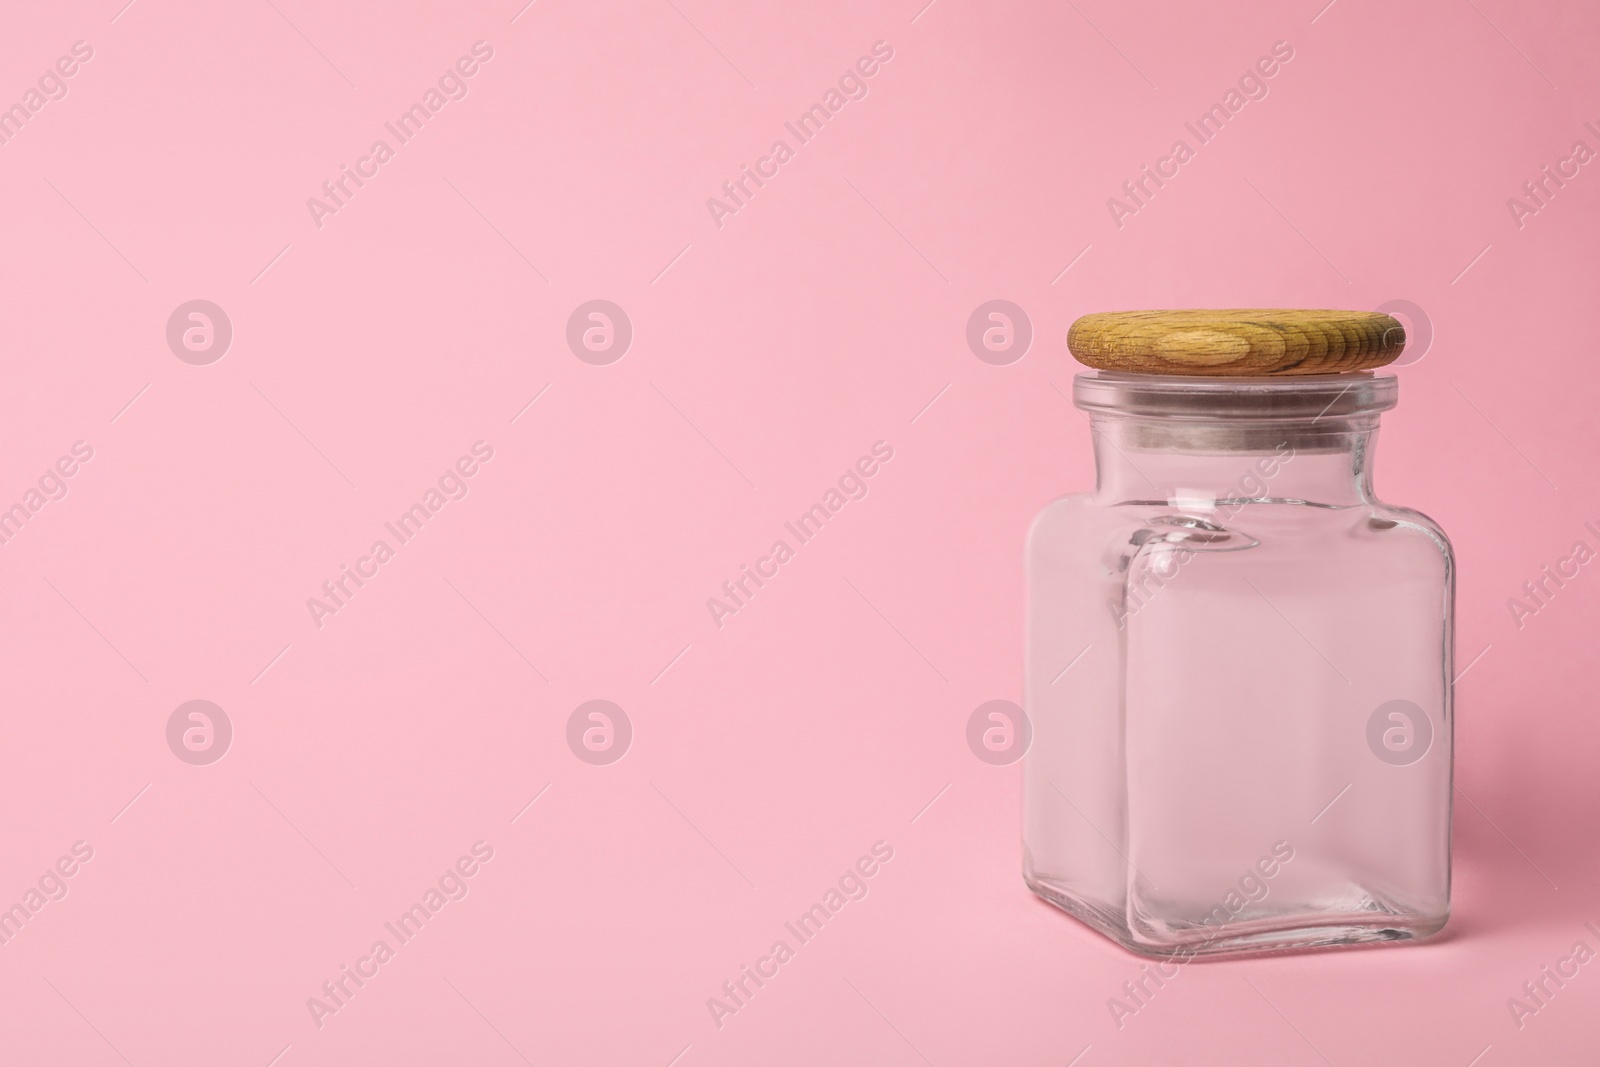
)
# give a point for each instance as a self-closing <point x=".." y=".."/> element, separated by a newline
<point x="1238" y="674"/>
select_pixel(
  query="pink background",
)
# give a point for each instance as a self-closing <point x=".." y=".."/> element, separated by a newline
<point x="768" y="354"/>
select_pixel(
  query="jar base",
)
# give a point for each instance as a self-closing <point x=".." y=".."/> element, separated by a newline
<point x="1290" y="932"/>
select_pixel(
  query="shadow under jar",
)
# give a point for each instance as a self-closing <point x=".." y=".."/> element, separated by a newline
<point x="1239" y="660"/>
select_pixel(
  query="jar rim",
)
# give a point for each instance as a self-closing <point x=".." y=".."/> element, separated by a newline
<point x="1192" y="398"/>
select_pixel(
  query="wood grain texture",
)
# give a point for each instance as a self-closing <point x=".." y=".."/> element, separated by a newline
<point x="1244" y="342"/>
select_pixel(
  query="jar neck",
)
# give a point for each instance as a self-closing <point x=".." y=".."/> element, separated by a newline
<point x="1199" y="465"/>
<point x="1199" y="442"/>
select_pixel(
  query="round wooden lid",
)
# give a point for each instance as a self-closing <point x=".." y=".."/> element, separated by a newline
<point x="1248" y="342"/>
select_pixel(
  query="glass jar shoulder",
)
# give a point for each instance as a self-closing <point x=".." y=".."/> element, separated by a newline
<point x="1076" y="523"/>
<point x="1409" y="521"/>
<point x="1072" y="523"/>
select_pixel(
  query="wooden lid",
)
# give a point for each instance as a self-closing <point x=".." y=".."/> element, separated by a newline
<point x="1246" y="342"/>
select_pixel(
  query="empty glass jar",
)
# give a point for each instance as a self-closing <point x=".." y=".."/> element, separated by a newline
<point x="1238" y="674"/>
